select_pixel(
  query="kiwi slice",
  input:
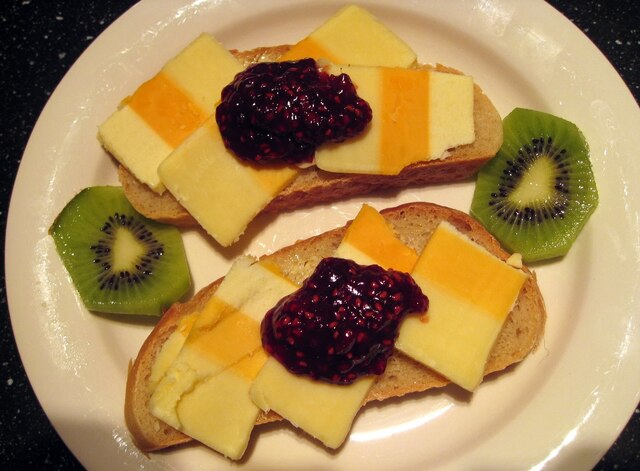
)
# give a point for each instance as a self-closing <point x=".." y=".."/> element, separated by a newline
<point x="537" y="193"/>
<point x="119" y="261"/>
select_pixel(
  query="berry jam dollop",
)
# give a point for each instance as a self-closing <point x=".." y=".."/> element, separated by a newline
<point x="343" y="322"/>
<point x="282" y="111"/>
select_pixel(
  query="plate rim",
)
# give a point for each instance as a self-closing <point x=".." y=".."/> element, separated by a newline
<point x="12" y="217"/>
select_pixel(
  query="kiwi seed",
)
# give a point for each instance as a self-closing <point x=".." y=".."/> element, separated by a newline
<point x="537" y="193"/>
<point x="119" y="261"/>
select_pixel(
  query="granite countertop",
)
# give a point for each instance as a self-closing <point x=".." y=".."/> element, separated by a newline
<point x="39" y="41"/>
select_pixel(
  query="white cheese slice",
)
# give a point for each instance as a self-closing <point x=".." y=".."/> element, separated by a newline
<point x="325" y="411"/>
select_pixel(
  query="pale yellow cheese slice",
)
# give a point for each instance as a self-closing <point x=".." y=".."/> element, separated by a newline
<point x="207" y="383"/>
<point x="202" y="70"/>
<point x="325" y="411"/>
<point x="354" y="36"/>
<point x="418" y="115"/>
<point x="170" y="349"/>
<point x="135" y="144"/>
<point x="221" y="192"/>
<point x="166" y="109"/>
<point x="471" y="293"/>
<point x="219" y="412"/>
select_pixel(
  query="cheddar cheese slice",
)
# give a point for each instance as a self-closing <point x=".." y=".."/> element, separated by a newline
<point x="354" y="36"/>
<point x="370" y="240"/>
<point x="471" y="293"/>
<point x="418" y="114"/>
<point x="166" y="109"/>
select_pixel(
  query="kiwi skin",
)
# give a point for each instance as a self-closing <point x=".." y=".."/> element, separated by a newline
<point x="538" y="192"/>
<point x="119" y="261"/>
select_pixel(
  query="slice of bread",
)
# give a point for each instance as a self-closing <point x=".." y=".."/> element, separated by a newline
<point x="413" y="224"/>
<point x="313" y="186"/>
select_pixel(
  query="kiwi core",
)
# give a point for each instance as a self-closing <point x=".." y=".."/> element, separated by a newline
<point x="536" y="185"/>
<point x="127" y="250"/>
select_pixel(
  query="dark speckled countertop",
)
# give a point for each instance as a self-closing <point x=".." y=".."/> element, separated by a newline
<point x="40" y="40"/>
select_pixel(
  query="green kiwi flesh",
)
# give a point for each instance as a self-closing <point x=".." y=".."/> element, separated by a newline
<point x="119" y="261"/>
<point x="538" y="192"/>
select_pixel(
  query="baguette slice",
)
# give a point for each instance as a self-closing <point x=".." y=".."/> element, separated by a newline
<point x="313" y="186"/>
<point x="413" y="223"/>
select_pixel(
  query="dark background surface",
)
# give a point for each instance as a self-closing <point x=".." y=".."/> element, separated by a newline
<point x="40" y="40"/>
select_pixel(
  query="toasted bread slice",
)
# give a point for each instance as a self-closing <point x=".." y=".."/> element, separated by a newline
<point x="413" y="224"/>
<point x="313" y="186"/>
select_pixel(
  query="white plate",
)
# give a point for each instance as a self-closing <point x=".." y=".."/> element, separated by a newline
<point x="562" y="407"/>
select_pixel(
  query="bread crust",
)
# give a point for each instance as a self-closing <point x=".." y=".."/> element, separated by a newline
<point x="413" y="224"/>
<point x="314" y="186"/>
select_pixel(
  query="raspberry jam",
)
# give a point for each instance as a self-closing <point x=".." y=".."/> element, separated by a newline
<point x="343" y="322"/>
<point x="282" y="111"/>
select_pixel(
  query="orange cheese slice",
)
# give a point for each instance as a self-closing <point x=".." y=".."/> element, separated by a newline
<point x="369" y="239"/>
<point x="309" y="47"/>
<point x="405" y="134"/>
<point x="223" y="333"/>
<point x="167" y="109"/>
<point x="467" y="272"/>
